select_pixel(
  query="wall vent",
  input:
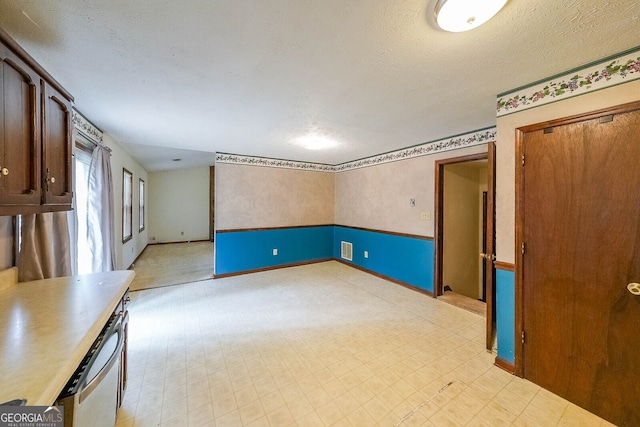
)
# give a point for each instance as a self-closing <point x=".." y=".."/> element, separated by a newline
<point x="346" y="251"/>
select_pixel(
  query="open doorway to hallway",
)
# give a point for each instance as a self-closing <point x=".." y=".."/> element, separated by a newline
<point x="464" y="234"/>
<point x="464" y="222"/>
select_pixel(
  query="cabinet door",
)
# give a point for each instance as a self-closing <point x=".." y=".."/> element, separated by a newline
<point x="56" y="147"/>
<point x="20" y="133"/>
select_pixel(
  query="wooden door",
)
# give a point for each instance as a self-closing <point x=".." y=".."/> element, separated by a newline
<point x="57" y="148"/>
<point x="581" y="235"/>
<point x="20" y="131"/>
<point x="212" y="203"/>
<point x="489" y="249"/>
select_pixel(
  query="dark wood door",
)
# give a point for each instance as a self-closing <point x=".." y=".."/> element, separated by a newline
<point x="581" y="230"/>
<point x="20" y="131"/>
<point x="57" y="148"/>
<point x="489" y="246"/>
<point x="212" y="203"/>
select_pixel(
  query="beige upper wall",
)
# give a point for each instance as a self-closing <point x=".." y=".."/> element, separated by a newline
<point x="505" y="151"/>
<point x="262" y="197"/>
<point x="377" y="197"/>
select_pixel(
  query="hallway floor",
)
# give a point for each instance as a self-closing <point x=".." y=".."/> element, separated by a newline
<point x="173" y="263"/>
<point x="319" y="345"/>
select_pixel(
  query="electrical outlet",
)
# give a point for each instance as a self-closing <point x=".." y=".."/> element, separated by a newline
<point x="275" y="252"/>
<point x="366" y="254"/>
<point x="425" y="216"/>
<point x="182" y="233"/>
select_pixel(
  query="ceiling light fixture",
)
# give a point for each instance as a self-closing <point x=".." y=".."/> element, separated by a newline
<point x="314" y="141"/>
<point x="463" y="15"/>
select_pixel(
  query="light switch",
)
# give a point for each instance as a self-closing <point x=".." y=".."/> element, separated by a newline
<point x="275" y="252"/>
<point x="366" y="254"/>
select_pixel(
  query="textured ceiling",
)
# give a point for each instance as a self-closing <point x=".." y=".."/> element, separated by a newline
<point x="247" y="77"/>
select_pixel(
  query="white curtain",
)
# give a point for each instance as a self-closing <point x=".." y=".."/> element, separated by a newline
<point x="100" y="216"/>
<point x="72" y="219"/>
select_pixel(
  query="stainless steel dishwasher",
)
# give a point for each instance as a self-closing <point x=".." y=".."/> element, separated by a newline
<point x="90" y="398"/>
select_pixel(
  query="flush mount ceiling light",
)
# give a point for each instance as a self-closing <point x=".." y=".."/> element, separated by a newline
<point x="314" y="141"/>
<point x="463" y="15"/>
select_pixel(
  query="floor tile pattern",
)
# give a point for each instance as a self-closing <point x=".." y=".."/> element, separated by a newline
<point x="319" y="345"/>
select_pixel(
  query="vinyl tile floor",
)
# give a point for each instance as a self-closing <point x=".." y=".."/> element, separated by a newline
<point x="174" y="263"/>
<point x="319" y="345"/>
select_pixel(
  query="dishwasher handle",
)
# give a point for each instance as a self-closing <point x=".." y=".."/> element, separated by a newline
<point x="85" y="391"/>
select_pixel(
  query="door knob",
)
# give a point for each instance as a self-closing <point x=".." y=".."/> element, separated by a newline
<point x="5" y="171"/>
<point x="491" y="257"/>
<point x="634" y="288"/>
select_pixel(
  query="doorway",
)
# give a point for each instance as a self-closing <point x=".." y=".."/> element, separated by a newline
<point x="464" y="234"/>
<point x="577" y="225"/>
<point x="465" y="184"/>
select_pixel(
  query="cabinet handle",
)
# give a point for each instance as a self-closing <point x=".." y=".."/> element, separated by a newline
<point x="5" y="171"/>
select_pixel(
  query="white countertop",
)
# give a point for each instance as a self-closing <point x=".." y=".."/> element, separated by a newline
<point x="46" y="328"/>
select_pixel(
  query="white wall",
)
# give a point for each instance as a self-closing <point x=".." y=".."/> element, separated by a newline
<point x="178" y="205"/>
<point x="127" y="252"/>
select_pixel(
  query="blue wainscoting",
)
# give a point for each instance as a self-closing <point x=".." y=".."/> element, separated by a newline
<point x="505" y="316"/>
<point x="245" y="251"/>
<point x="403" y="258"/>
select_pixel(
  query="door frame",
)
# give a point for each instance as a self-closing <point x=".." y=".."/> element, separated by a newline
<point x="520" y="298"/>
<point x="439" y="230"/>
<point x="212" y="202"/>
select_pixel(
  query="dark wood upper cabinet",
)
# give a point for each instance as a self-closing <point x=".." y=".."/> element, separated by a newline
<point x="56" y="148"/>
<point x="35" y="135"/>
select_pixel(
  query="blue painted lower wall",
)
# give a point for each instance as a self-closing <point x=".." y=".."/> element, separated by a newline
<point x="403" y="258"/>
<point x="242" y="251"/>
<point x="505" y="314"/>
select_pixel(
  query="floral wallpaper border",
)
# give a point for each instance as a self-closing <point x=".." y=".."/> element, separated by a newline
<point x="85" y="127"/>
<point x="608" y="72"/>
<point x="461" y="141"/>
<point x="271" y="163"/>
<point x="453" y="143"/>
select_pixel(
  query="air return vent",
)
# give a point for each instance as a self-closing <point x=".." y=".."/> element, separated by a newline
<point x="346" y="251"/>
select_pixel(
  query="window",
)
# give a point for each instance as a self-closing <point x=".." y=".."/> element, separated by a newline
<point x="127" y="205"/>
<point x="83" y="160"/>
<point x="141" y="212"/>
